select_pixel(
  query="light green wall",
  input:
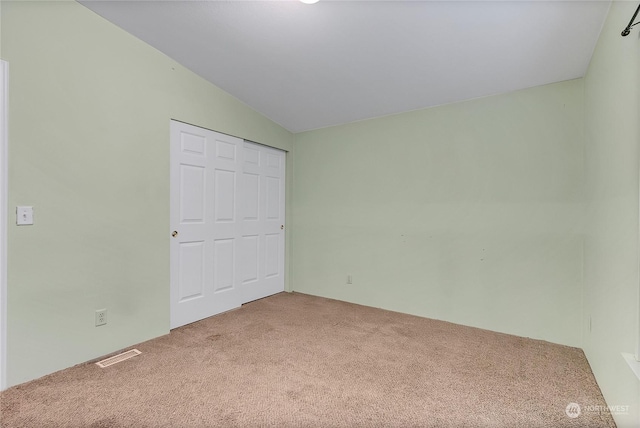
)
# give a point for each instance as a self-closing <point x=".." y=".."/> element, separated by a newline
<point x="469" y="213"/>
<point x="90" y="107"/>
<point x="612" y="112"/>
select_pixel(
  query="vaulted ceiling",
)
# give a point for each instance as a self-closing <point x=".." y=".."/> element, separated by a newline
<point x="334" y="62"/>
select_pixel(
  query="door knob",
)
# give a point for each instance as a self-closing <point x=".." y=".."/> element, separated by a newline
<point x="175" y="233"/>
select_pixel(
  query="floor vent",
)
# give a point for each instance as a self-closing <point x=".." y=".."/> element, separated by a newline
<point x="118" y="358"/>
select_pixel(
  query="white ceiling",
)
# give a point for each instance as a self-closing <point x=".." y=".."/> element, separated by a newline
<point x="312" y="66"/>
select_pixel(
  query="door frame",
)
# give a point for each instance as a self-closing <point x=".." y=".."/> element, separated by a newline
<point x="4" y="143"/>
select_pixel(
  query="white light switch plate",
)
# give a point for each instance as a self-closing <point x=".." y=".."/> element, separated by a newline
<point x="24" y="216"/>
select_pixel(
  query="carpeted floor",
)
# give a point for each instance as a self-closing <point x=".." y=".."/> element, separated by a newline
<point x="293" y="360"/>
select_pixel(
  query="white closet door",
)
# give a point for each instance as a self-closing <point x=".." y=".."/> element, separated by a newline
<point x="262" y="208"/>
<point x="204" y="223"/>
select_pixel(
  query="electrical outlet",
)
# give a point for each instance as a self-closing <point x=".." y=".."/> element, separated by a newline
<point x="349" y="279"/>
<point x="101" y="317"/>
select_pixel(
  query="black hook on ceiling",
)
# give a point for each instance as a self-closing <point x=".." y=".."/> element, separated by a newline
<point x="627" y="30"/>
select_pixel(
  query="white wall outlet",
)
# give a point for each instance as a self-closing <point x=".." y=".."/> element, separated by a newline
<point x="349" y="279"/>
<point x="24" y="216"/>
<point x="101" y="317"/>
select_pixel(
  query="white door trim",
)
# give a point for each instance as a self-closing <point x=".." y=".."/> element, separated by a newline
<point x="4" y="85"/>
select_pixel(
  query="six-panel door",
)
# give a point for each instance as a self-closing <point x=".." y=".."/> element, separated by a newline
<point x="262" y="222"/>
<point x="227" y="219"/>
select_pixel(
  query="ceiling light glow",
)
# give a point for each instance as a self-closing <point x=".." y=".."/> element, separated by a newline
<point x="309" y="1"/>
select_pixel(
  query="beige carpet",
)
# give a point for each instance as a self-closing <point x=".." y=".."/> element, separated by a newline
<point x="293" y="360"/>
